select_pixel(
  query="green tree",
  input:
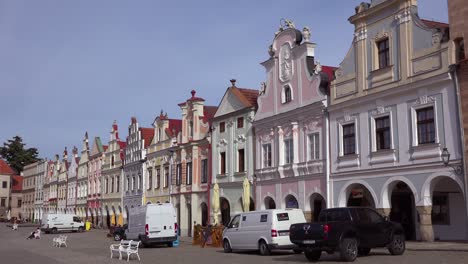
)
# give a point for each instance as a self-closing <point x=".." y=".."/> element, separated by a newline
<point x="16" y="155"/>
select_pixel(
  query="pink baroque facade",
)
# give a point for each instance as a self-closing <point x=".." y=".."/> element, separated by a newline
<point x="96" y="159"/>
<point x="290" y="126"/>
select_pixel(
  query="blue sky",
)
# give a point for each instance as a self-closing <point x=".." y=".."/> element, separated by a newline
<point x="67" y="67"/>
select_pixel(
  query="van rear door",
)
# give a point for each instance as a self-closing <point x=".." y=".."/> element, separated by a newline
<point x="160" y="221"/>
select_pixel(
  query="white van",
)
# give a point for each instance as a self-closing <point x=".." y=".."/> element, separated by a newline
<point x="262" y="230"/>
<point x="153" y="224"/>
<point x="53" y="223"/>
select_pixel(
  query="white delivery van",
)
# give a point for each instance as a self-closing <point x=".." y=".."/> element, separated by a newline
<point x="153" y="224"/>
<point x="262" y="230"/>
<point x="53" y="223"/>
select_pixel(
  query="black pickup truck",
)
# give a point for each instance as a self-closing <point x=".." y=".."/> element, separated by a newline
<point x="352" y="231"/>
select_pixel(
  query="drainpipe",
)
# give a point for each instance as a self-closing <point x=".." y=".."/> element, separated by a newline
<point x="454" y="76"/>
<point x="327" y="157"/>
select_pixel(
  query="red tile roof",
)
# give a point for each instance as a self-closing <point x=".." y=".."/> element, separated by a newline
<point x="105" y="147"/>
<point x="249" y="96"/>
<point x="208" y="113"/>
<point x="330" y="71"/>
<point x="122" y="144"/>
<point x="5" y="169"/>
<point x="147" y="134"/>
<point x="17" y="183"/>
<point x="175" y="126"/>
<point x="434" y="24"/>
<point x="193" y="98"/>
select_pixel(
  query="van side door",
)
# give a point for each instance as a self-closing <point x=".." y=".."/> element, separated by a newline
<point x="232" y="232"/>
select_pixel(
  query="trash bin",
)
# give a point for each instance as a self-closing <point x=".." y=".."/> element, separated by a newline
<point x="88" y="225"/>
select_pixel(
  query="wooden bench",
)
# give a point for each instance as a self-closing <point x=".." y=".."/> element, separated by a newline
<point x="59" y="241"/>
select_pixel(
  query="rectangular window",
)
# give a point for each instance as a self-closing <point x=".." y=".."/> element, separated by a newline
<point x="118" y="184"/>
<point x="166" y="176"/>
<point x="189" y="173"/>
<point x="150" y="179"/>
<point x="382" y="133"/>
<point x="107" y="185"/>
<point x="240" y="160"/>
<point x="314" y="146"/>
<point x="222" y="127"/>
<point x="158" y="178"/>
<point x="384" y="53"/>
<point x="140" y="182"/>
<point x="426" y="125"/>
<point x="222" y="160"/>
<point x="133" y="183"/>
<point x="112" y="184"/>
<point x="440" y="209"/>
<point x="19" y="203"/>
<point x="349" y="139"/>
<point x="240" y="122"/>
<point x="2" y="203"/>
<point x="288" y="151"/>
<point x="204" y="171"/>
<point x="263" y="218"/>
<point x="178" y="174"/>
<point x="266" y="148"/>
<point x="4" y="184"/>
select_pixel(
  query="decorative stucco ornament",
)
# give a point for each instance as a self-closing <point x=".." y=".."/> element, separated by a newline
<point x="318" y="67"/>
<point x="289" y="23"/>
<point x="263" y="88"/>
<point x="285" y="61"/>
<point x="271" y="51"/>
<point x="306" y="34"/>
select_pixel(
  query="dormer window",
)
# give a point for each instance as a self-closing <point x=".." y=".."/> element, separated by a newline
<point x="287" y="94"/>
<point x="159" y="134"/>
<point x="222" y="127"/>
<point x="383" y="53"/>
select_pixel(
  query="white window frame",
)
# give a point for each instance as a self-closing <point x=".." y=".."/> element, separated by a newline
<point x="288" y="155"/>
<point x="431" y="102"/>
<point x="264" y="164"/>
<point x="283" y="93"/>
<point x="343" y="122"/>
<point x="313" y="150"/>
<point x="384" y="112"/>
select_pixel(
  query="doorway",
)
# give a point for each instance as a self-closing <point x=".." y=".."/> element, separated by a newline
<point x="403" y="210"/>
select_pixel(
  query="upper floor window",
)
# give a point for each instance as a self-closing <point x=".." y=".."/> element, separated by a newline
<point x="159" y="134"/>
<point x="117" y="189"/>
<point x="158" y="178"/>
<point x="222" y="161"/>
<point x="150" y="178"/>
<point x="178" y="174"/>
<point x="240" y="160"/>
<point x="112" y="160"/>
<point x="288" y="151"/>
<point x="4" y="184"/>
<point x="384" y="53"/>
<point x="314" y="146"/>
<point x="204" y="171"/>
<point x="426" y="125"/>
<point x="382" y="132"/>
<point x="266" y="149"/>
<point x="189" y="173"/>
<point x="166" y="176"/>
<point x="349" y="139"/>
<point x="112" y="184"/>
<point x="191" y="128"/>
<point x="222" y="127"/>
<point x="240" y="122"/>
<point x="287" y="94"/>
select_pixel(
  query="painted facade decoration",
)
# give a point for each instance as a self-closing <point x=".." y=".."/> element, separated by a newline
<point x="392" y="114"/>
<point x="82" y="182"/>
<point x="191" y="184"/>
<point x="112" y="179"/>
<point x="233" y="151"/>
<point x="159" y="158"/>
<point x="71" y="183"/>
<point x="138" y="140"/>
<point x="289" y="126"/>
<point x="62" y="184"/>
<point x="96" y="159"/>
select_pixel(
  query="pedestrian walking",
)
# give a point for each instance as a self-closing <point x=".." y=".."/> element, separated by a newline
<point x="15" y="225"/>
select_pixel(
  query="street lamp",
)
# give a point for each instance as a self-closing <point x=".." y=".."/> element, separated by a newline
<point x="446" y="160"/>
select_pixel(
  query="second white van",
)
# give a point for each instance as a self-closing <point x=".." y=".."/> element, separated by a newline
<point x="262" y="230"/>
<point x="53" y="223"/>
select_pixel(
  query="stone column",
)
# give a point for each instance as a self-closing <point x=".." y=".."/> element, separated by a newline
<point x="384" y="211"/>
<point x="425" y="223"/>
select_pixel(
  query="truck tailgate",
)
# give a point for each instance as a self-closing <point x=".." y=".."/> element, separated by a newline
<point x="306" y="233"/>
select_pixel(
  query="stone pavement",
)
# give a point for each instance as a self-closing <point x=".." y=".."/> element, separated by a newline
<point x="410" y="245"/>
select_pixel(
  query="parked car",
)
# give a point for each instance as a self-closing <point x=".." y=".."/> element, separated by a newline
<point x="352" y="231"/>
<point x="54" y="223"/>
<point x="119" y="232"/>
<point x="262" y="230"/>
<point x="153" y="224"/>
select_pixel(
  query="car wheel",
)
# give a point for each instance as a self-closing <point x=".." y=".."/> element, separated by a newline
<point x="117" y="237"/>
<point x="348" y="249"/>
<point x="80" y="229"/>
<point x="398" y="245"/>
<point x="263" y="248"/>
<point x="363" y="251"/>
<point x="227" y="246"/>
<point x="312" y="255"/>
<point x="297" y="251"/>
<point x="54" y="230"/>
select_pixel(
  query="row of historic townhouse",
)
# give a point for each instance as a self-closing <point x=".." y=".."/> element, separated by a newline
<point x="381" y="130"/>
